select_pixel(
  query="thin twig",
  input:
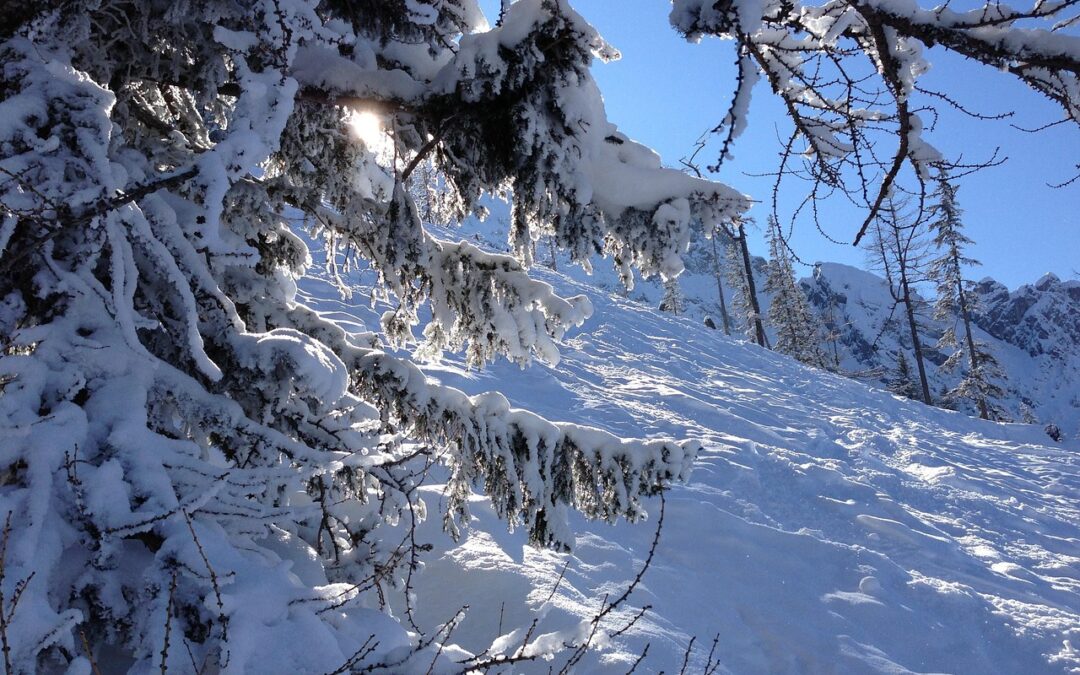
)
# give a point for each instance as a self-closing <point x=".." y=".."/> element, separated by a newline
<point x="709" y="668"/>
<point x="639" y="659"/>
<point x="686" y="656"/>
<point x="562" y="573"/>
<point x="6" y="615"/>
<point x="358" y="656"/>
<point x="168" y="624"/>
<point x="89" y="653"/>
<point x="3" y="613"/>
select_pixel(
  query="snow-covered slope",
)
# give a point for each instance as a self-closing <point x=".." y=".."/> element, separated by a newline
<point x="828" y="526"/>
<point x="1034" y="331"/>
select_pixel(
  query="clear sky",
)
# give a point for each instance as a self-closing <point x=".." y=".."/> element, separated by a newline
<point x="665" y="92"/>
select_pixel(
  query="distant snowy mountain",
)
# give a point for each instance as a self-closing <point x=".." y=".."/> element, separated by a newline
<point x="828" y="527"/>
<point x="1034" y="331"/>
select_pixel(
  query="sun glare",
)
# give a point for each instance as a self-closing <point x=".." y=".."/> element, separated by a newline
<point x="368" y="128"/>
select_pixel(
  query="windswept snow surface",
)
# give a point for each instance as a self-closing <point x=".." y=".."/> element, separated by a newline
<point x="827" y="527"/>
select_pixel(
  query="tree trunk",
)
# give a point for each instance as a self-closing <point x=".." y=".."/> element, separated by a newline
<point x="984" y="411"/>
<point x="909" y="309"/>
<point x="720" y="287"/>
<point x="759" y="328"/>
<point x="916" y="344"/>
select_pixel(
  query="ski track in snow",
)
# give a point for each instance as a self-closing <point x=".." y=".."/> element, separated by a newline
<point x="828" y="527"/>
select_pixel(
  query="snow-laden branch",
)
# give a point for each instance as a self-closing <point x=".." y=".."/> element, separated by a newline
<point x="848" y="74"/>
<point x="196" y="465"/>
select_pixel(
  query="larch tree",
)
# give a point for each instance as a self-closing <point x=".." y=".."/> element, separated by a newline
<point x="718" y="275"/>
<point x="798" y="331"/>
<point x="740" y="272"/>
<point x="705" y="257"/>
<point x="955" y="304"/>
<point x="833" y="335"/>
<point x="716" y="259"/>
<point x="898" y="248"/>
<point x="849" y="75"/>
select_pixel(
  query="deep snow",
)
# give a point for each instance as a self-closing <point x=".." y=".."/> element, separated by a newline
<point x="827" y="527"/>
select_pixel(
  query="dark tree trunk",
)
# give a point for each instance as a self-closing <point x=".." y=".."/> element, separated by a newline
<point x="916" y="344"/>
<point x="759" y="327"/>
<point x="720" y="287"/>
<point x="984" y="411"/>
<point x="913" y="326"/>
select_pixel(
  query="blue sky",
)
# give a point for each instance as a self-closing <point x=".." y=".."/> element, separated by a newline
<point x="665" y="92"/>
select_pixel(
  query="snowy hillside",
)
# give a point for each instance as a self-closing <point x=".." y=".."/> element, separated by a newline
<point x="1034" y="331"/>
<point x="827" y="527"/>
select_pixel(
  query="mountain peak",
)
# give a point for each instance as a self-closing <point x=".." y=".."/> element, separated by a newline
<point x="1047" y="281"/>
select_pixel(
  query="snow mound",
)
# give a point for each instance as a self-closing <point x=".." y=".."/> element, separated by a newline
<point x="827" y="526"/>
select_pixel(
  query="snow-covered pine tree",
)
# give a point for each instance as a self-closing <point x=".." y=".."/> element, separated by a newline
<point x="798" y="332"/>
<point x="956" y="303"/>
<point x="977" y="384"/>
<point x="902" y="384"/>
<point x="198" y="468"/>
<point x="943" y="400"/>
<point x="673" y="299"/>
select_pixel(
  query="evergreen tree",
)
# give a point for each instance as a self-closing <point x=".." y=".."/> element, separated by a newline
<point x="902" y="384"/>
<point x="180" y="429"/>
<point x="673" y="299"/>
<point x="194" y="457"/>
<point x="956" y="303"/>
<point x="798" y="333"/>
<point x="943" y="400"/>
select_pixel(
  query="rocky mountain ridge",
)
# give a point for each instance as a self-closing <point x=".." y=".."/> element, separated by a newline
<point x="1034" y="331"/>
